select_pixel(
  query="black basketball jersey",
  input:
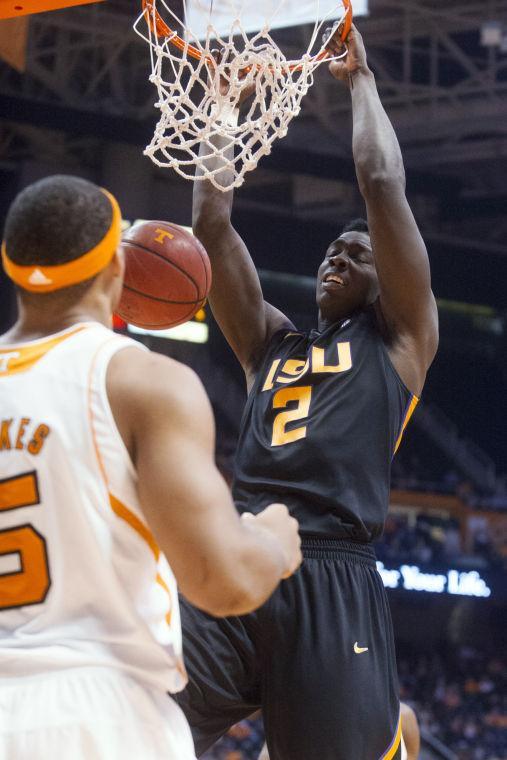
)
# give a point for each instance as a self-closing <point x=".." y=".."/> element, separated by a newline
<point x="320" y="427"/>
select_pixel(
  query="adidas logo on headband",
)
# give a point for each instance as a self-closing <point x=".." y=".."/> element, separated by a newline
<point x="39" y="278"/>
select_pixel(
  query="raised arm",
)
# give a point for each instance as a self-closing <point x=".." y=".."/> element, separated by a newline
<point x="224" y="565"/>
<point x="236" y="299"/>
<point x="406" y="301"/>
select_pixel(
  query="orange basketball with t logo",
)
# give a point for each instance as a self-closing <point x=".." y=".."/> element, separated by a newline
<point x="167" y="275"/>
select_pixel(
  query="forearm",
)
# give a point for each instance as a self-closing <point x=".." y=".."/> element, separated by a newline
<point x="235" y="279"/>
<point x="222" y="566"/>
<point x="377" y="154"/>
<point x="250" y="568"/>
<point x="212" y="208"/>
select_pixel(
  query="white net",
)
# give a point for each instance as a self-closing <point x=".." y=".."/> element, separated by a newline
<point x="198" y="97"/>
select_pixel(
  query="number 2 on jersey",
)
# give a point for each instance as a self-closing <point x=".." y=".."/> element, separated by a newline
<point x="30" y="584"/>
<point x="303" y="396"/>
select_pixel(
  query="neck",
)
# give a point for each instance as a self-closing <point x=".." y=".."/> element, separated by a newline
<point x="325" y="322"/>
<point x="39" y="317"/>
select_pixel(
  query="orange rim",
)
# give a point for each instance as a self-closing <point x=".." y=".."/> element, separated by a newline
<point x="159" y="27"/>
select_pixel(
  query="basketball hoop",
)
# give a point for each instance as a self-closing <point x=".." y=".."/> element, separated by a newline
<point x="195" y="106"/>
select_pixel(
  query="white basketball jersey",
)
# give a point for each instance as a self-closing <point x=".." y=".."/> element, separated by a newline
<point x="82" y="581"/>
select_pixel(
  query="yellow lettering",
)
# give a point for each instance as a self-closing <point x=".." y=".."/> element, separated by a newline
<point x="268" y="383"/>
<point x="5" y="441"/>
<point x="302" y="395"/>
<point x="296" y="368"/>
<point x="21" y="431"/>
<point x="162" y="235"/>
<point x="38" y="438"/>
<point x="344" y="359"/>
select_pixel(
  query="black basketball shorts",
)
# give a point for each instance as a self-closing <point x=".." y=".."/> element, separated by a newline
<point x="318" y="658"/>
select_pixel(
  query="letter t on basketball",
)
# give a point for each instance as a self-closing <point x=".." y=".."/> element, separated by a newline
<point x="162" y="235"/>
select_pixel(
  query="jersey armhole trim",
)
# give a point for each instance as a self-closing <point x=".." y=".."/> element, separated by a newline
<point x="124" y="513"/>
<point x="117" y="507"/>
<point x="108" y="412"/>
<point x="142" y="530"/>
<point x="102" y="387"/>
<point x="394" y="371"/>
<point x="412" y="402"/>
<point x="409" y="410"/>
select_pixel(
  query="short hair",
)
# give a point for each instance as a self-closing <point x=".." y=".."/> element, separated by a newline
<point x="356" y="225"/>
<point x="56" y="220"/>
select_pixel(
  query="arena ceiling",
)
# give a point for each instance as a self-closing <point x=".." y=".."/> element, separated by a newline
<point x="85" y="87"/>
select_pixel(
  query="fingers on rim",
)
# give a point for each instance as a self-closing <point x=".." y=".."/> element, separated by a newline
<point x="331" y="39"/>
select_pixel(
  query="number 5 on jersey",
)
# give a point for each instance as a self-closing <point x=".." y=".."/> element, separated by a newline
<point x="30" y="583"/>
<point x="302" y="395"/>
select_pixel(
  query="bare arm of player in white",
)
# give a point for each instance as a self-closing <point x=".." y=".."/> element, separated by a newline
<point x="224" y="565"/>
<point x="407" y="305"/>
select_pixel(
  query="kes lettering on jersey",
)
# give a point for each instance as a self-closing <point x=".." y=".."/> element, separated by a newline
<point x="23" y="434"/>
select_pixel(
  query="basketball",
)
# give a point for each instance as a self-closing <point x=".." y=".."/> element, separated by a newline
<point x="167" y="275"/>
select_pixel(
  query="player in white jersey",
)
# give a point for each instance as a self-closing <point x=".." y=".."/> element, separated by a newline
<point x="106" y="453"/>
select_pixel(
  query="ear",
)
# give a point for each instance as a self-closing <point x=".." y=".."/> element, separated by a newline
<point x="118" y="262"/>
<point x="116" y="272"/>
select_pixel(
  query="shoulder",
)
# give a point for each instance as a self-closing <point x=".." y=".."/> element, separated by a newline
<point x="151" y="395"/>
<point x="277" y="325"/>
<point x="411" y="350"/>
<point x="147" y="379"/>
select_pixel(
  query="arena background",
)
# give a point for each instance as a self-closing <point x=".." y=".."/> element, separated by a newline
<point x="74" y="98"/>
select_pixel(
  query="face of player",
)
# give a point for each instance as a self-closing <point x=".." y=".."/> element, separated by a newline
<point x="347" y="279"/>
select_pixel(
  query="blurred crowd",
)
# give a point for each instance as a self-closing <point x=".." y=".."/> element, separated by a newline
<point x="460" y="698"/>
<point x="427" y="539"/>
<point x="410" y="472"/>
<point x="243" y="742"/>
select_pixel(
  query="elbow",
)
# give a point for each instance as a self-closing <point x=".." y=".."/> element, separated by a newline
<point x="209" y="228"/>
<point x="234" y="607"/>
<point x="238" y="579"/>
<point x="227" y="601"/>
<point x="237" y="587"/>
<point x="381" y="182"/>
<point x="209" y="218"/>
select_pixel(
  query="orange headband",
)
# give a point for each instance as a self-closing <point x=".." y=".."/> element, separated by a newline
<point x="44" y="279"/>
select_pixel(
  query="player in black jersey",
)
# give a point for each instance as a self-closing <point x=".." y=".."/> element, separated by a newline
<point x="324" y="416"/>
